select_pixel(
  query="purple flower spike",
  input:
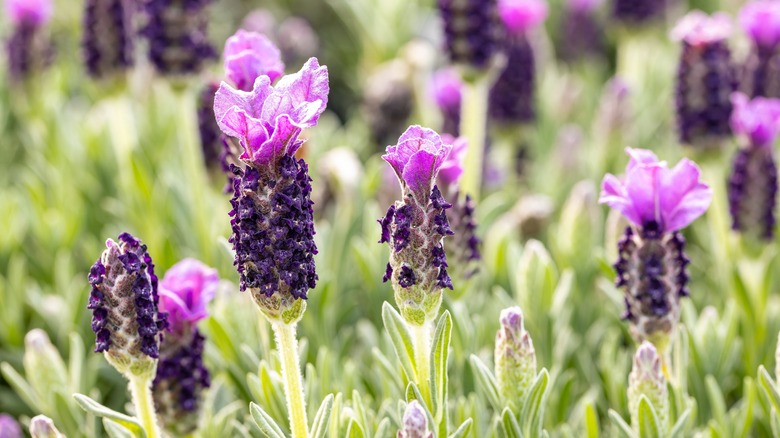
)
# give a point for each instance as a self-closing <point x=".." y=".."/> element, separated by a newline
<point x="757" y="120"/>
<point x="472" y="31"/>
<point x="651" y="196"/>
<point x="107" y="41"/>
<point x="268" y="119"/>
<point x="416" y="160"/>
<point x="185" y="291"/>
<point x="35" y="13"/>
<point x="249" y="55"/>
<point x="521" y="15"/>
<point x="761" y="21"/>
<point x="446" y="88"/>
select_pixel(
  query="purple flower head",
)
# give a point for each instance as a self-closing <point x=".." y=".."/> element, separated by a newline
<point x="761" y="21"/>
<point x="445" y="87"/>
<point x="9" y="428"/>
<point x="472" y="31"/>
<point x="185" y="291"/>
<point x="31" y="12"/>
<point x="416" y="160"/>
<point x="521" y="15"/>
<point x="268" y="119"/>
<point x="249" y="55"/>
<point x="757" y="119"/>
<point x="452" y="168"/>
<point x="698" y="28"/>
<point x="652" y="196"/>
<point x="584" y="5"/>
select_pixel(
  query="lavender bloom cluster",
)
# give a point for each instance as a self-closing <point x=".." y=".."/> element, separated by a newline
<point x="272" y="217"/>
<point x="176" y="30"/>
<point x="651" y="268"/>
<point x="107" y="41"/>
<point x="416" y="226"/>
<point x="761" y="72"/>
<point x="471" y="31"/>
<point x="753" y="180"/>
<point x="638" y="11"/>
<point x="706" y="77"/>
<point x="124" y="302"/>
<point x="28" y="47"/>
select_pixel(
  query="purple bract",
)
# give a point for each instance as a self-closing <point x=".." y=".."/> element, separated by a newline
<point x="30" y="12"/>
<point x="249" y="55"/>
<point x="519" y="16"/>
<point x="698" y="28"/>
<point x="758" y="120"/>
<point x="185" y="290"/>
<point x="761" y="21"/>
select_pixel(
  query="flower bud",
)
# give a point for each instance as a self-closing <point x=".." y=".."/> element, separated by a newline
<point x="515" y="358"/>
<point x="415" y="422"/>
<point x="42" y="426"/>
<point x="124" y="303"/>
<point x="647" y="379"/>
<point x="446" y="91"/>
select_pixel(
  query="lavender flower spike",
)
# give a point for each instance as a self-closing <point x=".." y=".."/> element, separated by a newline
<point x="471" y="31"/>
<point x="515" y="358"/>
<point x="107" y="41"/>
<point x="658" y="202"/>
<point x="753" y="181"/>
<point x="761" y="21"/>
<point x="124" y="304"/>
<point x="249" y="55"/>
<point x="32" y="12"/>
<point x="181" y="376"/>
<point x="416" y="226"/>
<point x="706" y="78"/>
<point x="28" y="47"/>
<point x="273" y="228"/>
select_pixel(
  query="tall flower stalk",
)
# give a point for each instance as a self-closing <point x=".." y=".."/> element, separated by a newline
<point x="272" y="216"/>
<point x="126" y="320"/>
<point x="651" y="268"/>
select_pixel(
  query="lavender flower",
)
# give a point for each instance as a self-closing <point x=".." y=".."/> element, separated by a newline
<point x="176" y="30"/>
<point x="512" y="96"/>
<point x="651" y="268"/>
<point x="28" y="48"/>
<point x="647" y="379"/>
<point x="471" y="31"/>
<point x="415" y="227"/>
<point x="638" y="11"/>
<point x="249" y="55"/>
<point x="124" y="302"/>
<point x="9" y="428"/>
<point x="705" y="78"/>
<point x="185" y="291"/>
<point x="273" y="229"/>
<point x="515" y="358"/>
<point x="581" y="33"/>
<point x="761" y="21"/>
<point x="108" y="36"/>
<point x="446" y="91"/>
<point x="753" y="180"/>
<point x="415" y="422"/>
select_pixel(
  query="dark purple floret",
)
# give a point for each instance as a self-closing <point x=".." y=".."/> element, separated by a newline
<point x="403" y="227"/>
<point x="211" y="138"/>
<point x="472" y="30"/>
<point x="107" y="41"/>
<point x="388" y="273"/>
<point x="753" y="192"/>
<point x="176" y="30"/>
<point x="581" y="35"/>
<point x="638" y="11"/>
<point x="385" y="222"/>
<point x="513" y="94"/>
<point x="273" y="228"/>
<point x="124" y="300"/>
<point x="180" y="382"/>
<point x="705" y="80"/>
<point x="407" y="278"/>
<point x="465" y="246"/>
<point x="761" y="72"/>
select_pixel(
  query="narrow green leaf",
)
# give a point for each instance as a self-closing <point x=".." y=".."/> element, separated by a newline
<point x="533" y="408"/>
<point x="717" y="401"/>
<point x="264" y="421"/>
<point x="400" y="337"/>
<point x="591" y="421"/>
<point x="101" y="411"/>
<point x="648" y="420"/>
<point x="116" y="430"/>
<point x="509" y="424"/>
<point x="319" y="426"/>
<point x="679" y="427"/>
<point x="76" y="362"/>
<point x="768" y="386"/>
<point x="21" y="387"/>
<point x="486" y="381"/>
<point x="354" y="430"/>
<point x="383" y="429"/>
<point x="749" y="398"/>
<point x="621" y="425"/>
<point x="775" y="423"/>
<point x="440" y="354"/>
<point x="463" y="429"/>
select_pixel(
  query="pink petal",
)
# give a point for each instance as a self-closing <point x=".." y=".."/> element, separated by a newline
<point x="249" y="55"/>
<point x="642" y="184"/>
<point x="614" y="194"/>
<point x="285" y="133"/>
<point x="308" y="86"/>
<point x="682" y="197"/>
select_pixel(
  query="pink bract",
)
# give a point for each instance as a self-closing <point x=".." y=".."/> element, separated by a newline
<point x="757" y="119"/>
<point x="34" y="12"/>
<point x="416" y="160"/>
<point x="699" y="28"/>
<point x="186" y="289"/>
<point x="452" y="168"/>
<point x="761" y="21"/>
<point x="521" y="15"/>
<point x="249" y="55"/>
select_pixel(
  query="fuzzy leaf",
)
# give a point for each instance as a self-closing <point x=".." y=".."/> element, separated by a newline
<point x="509" y="424"/>
<point x="768" y="387"/>
<point x="486" y="381"/>
<point x="679" y="427"/>
<point x="401" y="338"/>
<point x="319" y="427"/>
<point x="264" y="421"/>
<point x="463" y="429"/>
<point x="648" y="420"/>
<point x="116" y="430"/>
<point x="101" y="411"/>
<point x="439" y="356"/>
<point x="354" y="430"/>
<point x="621" y="425"/>
<point x="533" y="406"/>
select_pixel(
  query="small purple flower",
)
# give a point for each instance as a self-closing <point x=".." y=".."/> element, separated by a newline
<point x="416" y="160"/>
<point x="31" y="12"/>
<point x="761" y="21"/>
<point x="519" y="16"/>
<point x="446" y="89"/>
<point x="653" y="196"/>
<point x="652" y="263"/>
<point x="185" y="290"/>
<point x="9" y="428"/>
<point x="472" y="32"/>
<point x="249" y="55"/>
<point x="268" y="119"/>
<point x="757" y="120"/>
<point x="124" y="303"/>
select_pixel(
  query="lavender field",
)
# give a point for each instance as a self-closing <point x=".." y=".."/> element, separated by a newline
<point x="389" y="218"/>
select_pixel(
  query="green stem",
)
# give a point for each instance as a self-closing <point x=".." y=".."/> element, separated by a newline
<point x="141" y="392"/>
<point x="287" y="343"/>
<point x="473" y="125"/>
<point x="422" y="359"/>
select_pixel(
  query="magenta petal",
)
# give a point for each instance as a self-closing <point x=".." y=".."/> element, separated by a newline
<point x="249" y="55"/>
<point x="284" y="136"/>
<point x="614" y="194"/>
<point x="682" y="197"/>
<point x="418" y="132"/>
<point x="308" y="86"/>
<point x="185" y="290"/>
<point x="250" y="102"/>
<point x="639" y="156"/>
<point x="419" y="174"/>
<point x="642" y="184"/>
<point x="452" y="167"/>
